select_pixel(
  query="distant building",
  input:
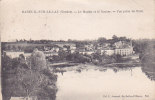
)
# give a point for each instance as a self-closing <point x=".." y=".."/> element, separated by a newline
<point x="66" y="46"/>
<point x="73" y="47"/>
<point x="27" y="55"/>
<point x="123" y="48"/>
<point x="49" y="53"/>
<point x="108" y="51"/>
<point x="89" y="47"/>
<point x="24" y="98"/>
<point x="72" y="50"/>
<point x="62" y="44"/>
<point x="87" y="52"/>
<point x="53" y="48"/>
<point x="124" y="51"/>
<point x="13" y="54"/>
<point x="105" y="45"/>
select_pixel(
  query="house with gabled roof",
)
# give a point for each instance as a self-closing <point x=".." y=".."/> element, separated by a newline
<point x="123" y="48"/>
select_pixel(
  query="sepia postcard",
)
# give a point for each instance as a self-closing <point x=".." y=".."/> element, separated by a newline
<point x="77" y="49"/>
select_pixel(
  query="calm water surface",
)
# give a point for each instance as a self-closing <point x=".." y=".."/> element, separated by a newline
<point x="104" y="84"/>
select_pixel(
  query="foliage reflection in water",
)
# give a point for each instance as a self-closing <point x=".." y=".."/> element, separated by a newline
<point x="97" y="83"/>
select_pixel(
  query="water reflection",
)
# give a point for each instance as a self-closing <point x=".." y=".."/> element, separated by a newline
<point x="93" y="83"/>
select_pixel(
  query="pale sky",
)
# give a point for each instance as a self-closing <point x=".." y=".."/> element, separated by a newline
<point x="16" y="25"/>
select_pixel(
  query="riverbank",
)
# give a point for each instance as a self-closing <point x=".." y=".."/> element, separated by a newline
<point x="89" y="66"/>
<point x="130" y="61"/>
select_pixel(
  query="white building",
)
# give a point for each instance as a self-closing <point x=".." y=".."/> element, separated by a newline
<point x="13" y="54"/>
<point x="89" y="47"/>
<point x="73" y="47"/>
<point x="87" y="52"/>
<point x="73" y="50"/>
<point x="24" y="98"/>
<point x="48" y="53"/>
<point x="27" y="54"/>
<point x="108" y="52"/>
<point x="123" y="48"/>
<point x="124" y="51"/>
<point x="56" y="49"/>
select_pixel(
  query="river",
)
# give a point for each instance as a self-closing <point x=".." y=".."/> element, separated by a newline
<point x="89" y="82"/>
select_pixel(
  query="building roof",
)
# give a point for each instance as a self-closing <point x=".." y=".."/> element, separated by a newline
<point x="122" y="45"/>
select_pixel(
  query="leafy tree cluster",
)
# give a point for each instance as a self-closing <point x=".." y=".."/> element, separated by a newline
<point x="43" y="41"/>
<point x="26" y="78"/>
<point x="147" y="52"/>
<point x="99" y="59"/>
<point x="26" y="48"/>
<point x="67" y="56"/>
<point x="100" y="40"/>
<point x="77" y="57"/>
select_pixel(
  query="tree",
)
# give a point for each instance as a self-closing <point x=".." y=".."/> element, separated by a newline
<point x="117" y="57"/>
<point x="62" y="54"/>
<point x="38" y="61"/>
<point x="101" y="40"/>
<point x="30" y="81"/>
<point x="9" y="47"/>
<point x="19" y="48"/>
<point x="21" y="81"/>
<point x="123" y="39"/>
<point x="16" y="40"/>
<point x="115" y="38"/>
<point x="29" y="49"/>
<point x="14" y="47"/>
<point x="97" y="56"/>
